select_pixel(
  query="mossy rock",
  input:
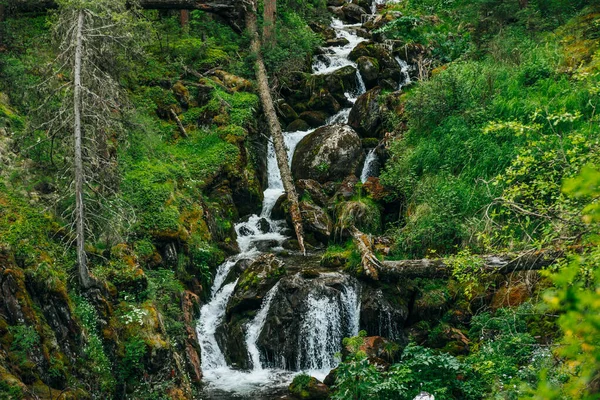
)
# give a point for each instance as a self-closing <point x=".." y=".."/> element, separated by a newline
<point x="306" y="387"/>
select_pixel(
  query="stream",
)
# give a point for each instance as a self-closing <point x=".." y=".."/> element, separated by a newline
<point x="329" y="316"/>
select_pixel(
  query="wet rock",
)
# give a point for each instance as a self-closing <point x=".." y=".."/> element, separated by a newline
<point x="353" y="12"/>
<point x="338" y="82"/>
<point x="312" y="189"/>
<point x="245" y="231"/>
<point x="331" y="377"/>
<point x="383" y="312"/>
<point x="366" y="116"/>
<point x="306" y="387"/>
<point x="337" y="42"/>
<point x="369" y="70"/>
<point x="286" y="112"/>
<point x="314" y="118"/>
<point x="247" y="297"/>
<point x="266" y="245"/>
<point x="254" y="283"/>
<point x="324" y="101"/>
<point x="316" y="221"/>
<point x="390" y="72"/>
<point x="264" y="226"/>
<point x="363" y="33"/>
<point x="338" y="12"/>
<point x="283" y="342"/>
<point x="336" y="3"/>
<point x="327" y="32"/>
<point x="279" y="209"/>
<point x="298" y="125"/>
<point x="328" y="154"/>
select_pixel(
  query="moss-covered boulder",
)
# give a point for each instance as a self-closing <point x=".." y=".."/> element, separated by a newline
<point x="314" y="119"/>
<point x="305" y="387"/>
<point x="367" y="114"/>
<point x="389" y="71"/>
<point x="328" y="154"/>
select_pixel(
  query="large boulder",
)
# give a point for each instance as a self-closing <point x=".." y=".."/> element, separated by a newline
<point x="314" y="190"/>
<point x="328" y="154"/>
<point x="366" y="116"/>
<point x="353" y="12"/>
<point x="306" y="92"/>
<point x="250" y="290"/>
<point x="309" y="314"/>
<point x="369" y="70"/>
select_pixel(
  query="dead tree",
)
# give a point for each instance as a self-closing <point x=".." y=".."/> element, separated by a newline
<point x="90" y="35"/>
<point x="273" y="123"/>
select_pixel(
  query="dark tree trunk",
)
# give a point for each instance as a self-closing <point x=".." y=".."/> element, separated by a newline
<point x="231" y="10"/>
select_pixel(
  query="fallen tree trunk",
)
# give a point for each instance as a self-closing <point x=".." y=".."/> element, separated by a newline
<point x="371" y="265"/>
<point x="228" y="9"/>
<point x="264" y="93"/>
<point x="439" y="268"/>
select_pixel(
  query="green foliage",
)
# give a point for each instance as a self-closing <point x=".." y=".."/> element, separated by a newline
<point x="421" y="369"/>
<point x="25" y="339"/>
<point x="132" y="365"/>
<point x="469" y="270"/>
<point x="95" y="364"/>
<point x="576" y="296"/>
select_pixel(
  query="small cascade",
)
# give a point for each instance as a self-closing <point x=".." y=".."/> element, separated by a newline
<point x="369" y="167"/>
<point x="337" y="57"/>
<point x="211" y="316"/>
<point x="405" y="69"/>
<point x="331" y="315"/>
<point x="256" y="326"/>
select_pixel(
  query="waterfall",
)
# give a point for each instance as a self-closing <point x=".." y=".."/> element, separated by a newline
<point x="255" y="327"/>
<point x="329" y="318"/>
<point x="211" y="316"/>
<point x="405" y="69"/>
<point x="330" y="313"/>
<point x="368" y="168"/>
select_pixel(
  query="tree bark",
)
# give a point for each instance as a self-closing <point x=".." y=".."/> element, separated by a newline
<point x="179" y="124"/>
<point x="184" y="18"/>
<point x="371" y="265"/>
<point x="84" y="274"/>
<point x="269" y="16"/>
<point x="273" y="123"/>
<point x="438" y="268"/>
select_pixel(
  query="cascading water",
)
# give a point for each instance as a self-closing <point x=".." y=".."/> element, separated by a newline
<point x="255" y="327"/>
<point x="405" y="69"/>
<point x="369" y="167"/>
<point x="328" y="319"/>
